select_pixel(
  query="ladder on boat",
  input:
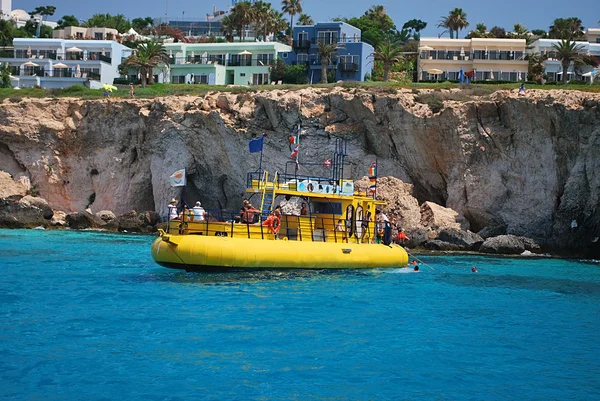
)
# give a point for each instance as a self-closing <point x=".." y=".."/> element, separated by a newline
<point x="268" y="195"/>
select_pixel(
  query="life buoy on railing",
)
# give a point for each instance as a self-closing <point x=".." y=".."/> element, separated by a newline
<point x="274" y="223"/>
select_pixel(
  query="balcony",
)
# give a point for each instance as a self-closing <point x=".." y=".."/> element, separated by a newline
<point x="301" y="44"/>
<point x="348" y="67"/>
<point x="237" y="62"/>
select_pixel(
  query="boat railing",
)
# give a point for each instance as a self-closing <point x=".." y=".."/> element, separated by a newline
<point x="230" y="223"/>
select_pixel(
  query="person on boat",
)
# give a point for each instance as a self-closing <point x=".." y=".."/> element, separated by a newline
<point x="273" y="222"/>
<point x="401" y="238"/>
<point x="248" y="213"/>
<point x="365" y="227"/>
<point x="339" y="227"/>
<point x="173" y="210"/>
<point x="199" y="212"/>
<point x="277" y="211"/>
<point x="303" y="210"/>
<point x="379" y="226"/>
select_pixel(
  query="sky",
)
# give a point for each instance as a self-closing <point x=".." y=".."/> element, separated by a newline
<point x="505" y="13"/>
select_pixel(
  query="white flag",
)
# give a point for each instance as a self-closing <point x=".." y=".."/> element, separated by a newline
<point x="177" y="179"/>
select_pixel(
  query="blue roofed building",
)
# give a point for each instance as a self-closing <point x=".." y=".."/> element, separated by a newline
<point x="352" y="61"/>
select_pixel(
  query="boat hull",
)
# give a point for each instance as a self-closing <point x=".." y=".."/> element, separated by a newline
<point x="206" y="253"/>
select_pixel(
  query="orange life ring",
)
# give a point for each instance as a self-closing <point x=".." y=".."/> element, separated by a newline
<point x="274" y="223"/>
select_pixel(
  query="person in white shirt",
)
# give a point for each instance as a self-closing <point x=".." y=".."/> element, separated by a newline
<point x="198" y="212"/>
<point x="173" y="210"/>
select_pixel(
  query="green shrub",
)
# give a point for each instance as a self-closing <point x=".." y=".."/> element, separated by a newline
<point x="433" y="100"/>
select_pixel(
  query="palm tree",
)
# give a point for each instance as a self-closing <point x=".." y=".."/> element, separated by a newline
<point x="458" y="19"/>
<point x="305" y="19"/>
<point x="275" y="22"/>
<point x="242" y="14"/>
<point x="325" y="52"/>
<point x="260" y="15"/>
<point x="227" y="24"/>
<point x="479" y="32"/>
<point x="389" y="52"/>
<point x="291" y="7"/>
<point x="566" y="28"/>
<point x="567" y="51"/>
<point x="6" y="32"/>
<point x="148" y="56"/>
<point x="445" y="23"/>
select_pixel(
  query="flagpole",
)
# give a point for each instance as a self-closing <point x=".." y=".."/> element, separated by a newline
<point x="260" y="162"/>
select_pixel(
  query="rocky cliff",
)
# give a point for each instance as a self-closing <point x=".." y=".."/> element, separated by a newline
<point x="522" y="165"/>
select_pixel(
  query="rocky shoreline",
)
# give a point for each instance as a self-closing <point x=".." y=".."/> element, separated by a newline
<point x="505" y="164"/>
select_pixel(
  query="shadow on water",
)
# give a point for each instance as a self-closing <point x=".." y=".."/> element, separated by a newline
<point x="237" y="277"/>
<point x="558" y="285"/>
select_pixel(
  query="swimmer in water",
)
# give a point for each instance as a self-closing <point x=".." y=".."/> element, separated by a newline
<point x="474" y="269"/>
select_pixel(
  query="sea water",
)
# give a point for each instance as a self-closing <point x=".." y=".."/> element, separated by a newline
<point x="89" y="316"/>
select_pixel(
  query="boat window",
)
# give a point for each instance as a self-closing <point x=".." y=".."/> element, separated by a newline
<point x="326" y="208"/>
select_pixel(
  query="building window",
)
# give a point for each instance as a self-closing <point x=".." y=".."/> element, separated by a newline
<point x="327" y="37"/>
<point x="264" y="59"/>
<point x="302" y="57"/>
<point x="302" y="36"/>
<point x="260" y="79"/>
<point x="79" y="35"/>
<point x="597" y="40"/>
<point x="98" y="35"/>
<point x="178" y="79"/>
<point x="242" y="74"/>
<point x="201" y="79"/>
<point x="284" y="55"/>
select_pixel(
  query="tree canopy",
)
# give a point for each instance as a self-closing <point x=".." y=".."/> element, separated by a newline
<point x="118" y="22"/>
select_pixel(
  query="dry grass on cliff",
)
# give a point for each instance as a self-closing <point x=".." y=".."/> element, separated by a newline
<point x="160" y="90"/>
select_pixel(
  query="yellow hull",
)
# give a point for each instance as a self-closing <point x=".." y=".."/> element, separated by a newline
<point x="200" y="252"/>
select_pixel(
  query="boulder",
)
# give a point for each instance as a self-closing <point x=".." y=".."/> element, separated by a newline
<point x="492" y="231"/>
<point x="417" y="236"/>
<point x="106" y="216"/>
<point x="464" y="239"/>
<point x="503" y="244"/>
<point x="437" y="245"/>
<point x="40" y="203"/>
<point x="16" y="214"/>
<point x="437" y="217"/>
<point x="531" y="245"/>
<point x="402" y="207"/>
<point x="138" y="222"/>
<point x="83" y="220"/>
<point x="9" y="187"/>
<point x="59" y="218"/>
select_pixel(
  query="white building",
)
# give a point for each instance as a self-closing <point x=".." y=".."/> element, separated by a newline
<point x="59" y="63"/>
<point x="553" y="66"/>
<point x="20" y="17"/>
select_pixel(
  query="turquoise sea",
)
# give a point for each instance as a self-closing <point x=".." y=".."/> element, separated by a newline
<point x="89" y="316"/>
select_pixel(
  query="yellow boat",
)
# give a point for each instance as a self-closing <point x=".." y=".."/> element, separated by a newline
<point x="333" y="233"/>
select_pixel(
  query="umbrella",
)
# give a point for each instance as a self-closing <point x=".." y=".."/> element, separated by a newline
<point x="435" y="71"/>
<point x="78" y="71"/>
<point x="491" y="75"/>
<point x="30" y="64"/>
<point x="13" y="78"/>
<point x="462" y="51"/>
<point x="245" y="53"/>
<point x="461" y="76"/>
<point x="74" y="49"/>
<point x="587" y="74"/>
<point x="425" y="48"/>
<point x="170" y="53"/>
<point x="109" y="88"/>
<point x="103" y="52"/>
<point x="29" y="52"/>
<point x="60" y="65"/>
<point x="193" y="54"/>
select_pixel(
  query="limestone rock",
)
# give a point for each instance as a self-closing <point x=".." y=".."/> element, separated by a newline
<point x="59" y="219"/>
<point x="133" y="221"/>
<point x="417" y="236"/>
<point x="464" y="239"/>
<point x="9" y="187"/>
<point x="437" y="245"/>
<point x="83" y="220"/>
<point x="503" y="244"/>
<point x="402" y="207"/>
<point x="437" y="217"/>
<point x="16" y="214"/>
<point x="106" y="216"/>
<point x="492" y="231"/>
<point x="40" y="203"/>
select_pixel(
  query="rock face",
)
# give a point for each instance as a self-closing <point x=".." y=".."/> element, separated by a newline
<point x="435" y="216"/>
<point x="8" y="186"/>
<point x="524" y="164"/>
<point x="503" y="244"/>
<point x="17" y="214"/>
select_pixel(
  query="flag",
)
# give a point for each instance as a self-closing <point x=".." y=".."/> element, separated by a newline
<point x="177" y="179"/>
<point x="256" y="145"/>
<point x="327" y="163"/>
<point x="295" y="143"/>
<point x="373" y="169"/>
<point x="372" y="185"/>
